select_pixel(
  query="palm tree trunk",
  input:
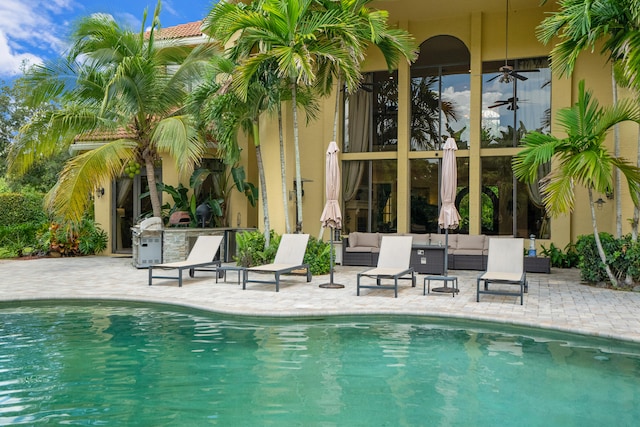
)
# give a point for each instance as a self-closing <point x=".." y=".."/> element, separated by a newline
<point x="297" y="156"/>
<point x="283" y="167"/>
<point x="616" y="152"/>
<point x="156" y="206"/>
<point x="636" y="210"/>
<point x="603" y="257"/>
<point x="263" y="185"/>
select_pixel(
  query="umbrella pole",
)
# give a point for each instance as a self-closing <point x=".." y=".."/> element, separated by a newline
<point x="446" y="252"/>
<point x="331" y="285"/>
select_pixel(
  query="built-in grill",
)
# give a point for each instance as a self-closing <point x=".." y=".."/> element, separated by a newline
<point x="147" y="242"/>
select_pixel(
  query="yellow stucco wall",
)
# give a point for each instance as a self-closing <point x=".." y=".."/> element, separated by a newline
<point x="483" y="33"/>
<point x="481" y="27"/>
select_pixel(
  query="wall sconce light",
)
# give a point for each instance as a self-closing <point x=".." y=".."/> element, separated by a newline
<point x="599" y="203"/>
<point x="99" y="192"/>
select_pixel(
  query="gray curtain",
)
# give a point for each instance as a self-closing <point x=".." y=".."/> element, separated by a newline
<point x="359" y="131"/>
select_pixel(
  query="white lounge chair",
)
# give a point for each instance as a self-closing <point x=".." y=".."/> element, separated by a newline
<point x="202" y="254"/>
<point x="289" y="257"/>
<point x="505" y="265"/>
<point x="393" y="263"/>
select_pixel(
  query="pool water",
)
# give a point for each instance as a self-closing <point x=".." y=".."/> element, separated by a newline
<point x="121" y="364"/>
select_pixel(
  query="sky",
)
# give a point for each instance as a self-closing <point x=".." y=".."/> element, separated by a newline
<point x="33" y="31"/>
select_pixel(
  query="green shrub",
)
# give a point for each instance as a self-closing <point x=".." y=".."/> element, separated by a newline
<point x="87" y="239"/>
<point x="251" y="251"/>
<point x="567" y="259"/>
<point x="7" y="253"/>
<point x="318" y="256"/>
<point x="623" y="257"/>
<point x="91" y="238"/>
<point x="22" y="239"/>
<point x="590" y="265"/>
<point x="17" y="208"/>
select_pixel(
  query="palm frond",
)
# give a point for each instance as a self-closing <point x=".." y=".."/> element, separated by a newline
<point x="538" y="149"/>
<point x="632" y="176"/>
<point x="558" y="194"/>
<point x="69" y="198"/>
<point x="177" y="136"/>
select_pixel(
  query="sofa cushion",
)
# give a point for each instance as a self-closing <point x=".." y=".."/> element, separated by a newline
<point x="359" y="239"/>
<point x="471" y="242"/>
<point x="368" y="239"/>
<point x="468" y="252"/>
<point x="419" y="239"/>
<point x="439" y="239"/>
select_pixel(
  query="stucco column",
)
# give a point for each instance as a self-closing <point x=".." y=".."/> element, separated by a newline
<point x="404" y="135"/>
<point x="475" y="169"/>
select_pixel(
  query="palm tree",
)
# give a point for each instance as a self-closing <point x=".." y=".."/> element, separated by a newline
<point x="581" y="157"/>
<point x="227" y="113"/>
<point x="114" y="80"/>
<point x="297" y="36"/>
<point x="583" y="25"/>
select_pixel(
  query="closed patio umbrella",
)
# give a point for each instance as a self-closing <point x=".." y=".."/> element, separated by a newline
<point x="449" y="216"/>
<point x="331" y="215"/>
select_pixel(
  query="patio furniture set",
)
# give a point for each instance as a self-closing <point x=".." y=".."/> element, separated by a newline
<point x="464" y="252"/>
<point x="505" y="265"/>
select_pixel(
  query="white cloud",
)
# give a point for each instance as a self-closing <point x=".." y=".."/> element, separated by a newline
<point x="29" y="31"/>
<point x="13" y="62"/>
<point x="131" y="21"/>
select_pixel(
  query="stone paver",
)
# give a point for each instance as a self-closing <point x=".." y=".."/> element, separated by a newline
<point x="556" y="301"/>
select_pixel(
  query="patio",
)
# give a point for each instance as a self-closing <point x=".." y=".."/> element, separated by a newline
<point x="555" y="301"/>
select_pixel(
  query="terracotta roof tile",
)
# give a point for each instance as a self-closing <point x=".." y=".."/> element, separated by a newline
<point x="191" y="29"/>
<point x="104" y="136"/>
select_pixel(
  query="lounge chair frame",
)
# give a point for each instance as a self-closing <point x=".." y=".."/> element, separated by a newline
<point x="392" y="264"/>
<point x="505" y="265"/>
<point x="288" y="260"/>
<point x="205" y="247"/>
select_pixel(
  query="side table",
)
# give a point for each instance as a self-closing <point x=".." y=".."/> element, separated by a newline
<point x="223" y="272"/>
<point x="453" y="289"/>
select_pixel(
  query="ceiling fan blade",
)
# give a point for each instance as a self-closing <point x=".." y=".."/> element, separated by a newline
<point x="498" y="104"/>
<point x="493" y="78"/>
<point x="519" y="77"/>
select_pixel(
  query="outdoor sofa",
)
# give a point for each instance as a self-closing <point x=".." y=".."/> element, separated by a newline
<point x="465" y="252"/>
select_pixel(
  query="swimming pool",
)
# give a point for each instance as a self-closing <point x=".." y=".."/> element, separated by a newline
<point x="107" y="363"/>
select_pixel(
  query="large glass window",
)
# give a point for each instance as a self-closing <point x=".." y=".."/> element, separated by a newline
<point x="371" y="115"/>
<point x="425" y="195"/>
<point x="370" y="196"/>
<point x="440" y="94"/>
<point x="510" y="207"/>
<point x="515" y="101"/>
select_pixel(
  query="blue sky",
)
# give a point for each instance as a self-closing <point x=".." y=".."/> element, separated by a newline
<point x="35" y="30"/>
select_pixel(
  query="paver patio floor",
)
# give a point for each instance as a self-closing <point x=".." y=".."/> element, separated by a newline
<point x="556" y="301"/>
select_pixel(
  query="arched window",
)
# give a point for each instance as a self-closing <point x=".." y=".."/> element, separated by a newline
<point x="440" y="94"/>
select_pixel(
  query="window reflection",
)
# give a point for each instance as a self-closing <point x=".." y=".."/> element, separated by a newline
<point x="385" y="113"/>
<point x="371" y="115"/>
<point x="425" y="195"/>
<point x="512" y="108"/>
<point x="370" y="196"/>
<point x="440" y="94"/>
<point x="508" y="209"/>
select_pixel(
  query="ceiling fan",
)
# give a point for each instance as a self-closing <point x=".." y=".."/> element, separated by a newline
<point x="511" y="103"/>
<point x="507" y="73"/>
